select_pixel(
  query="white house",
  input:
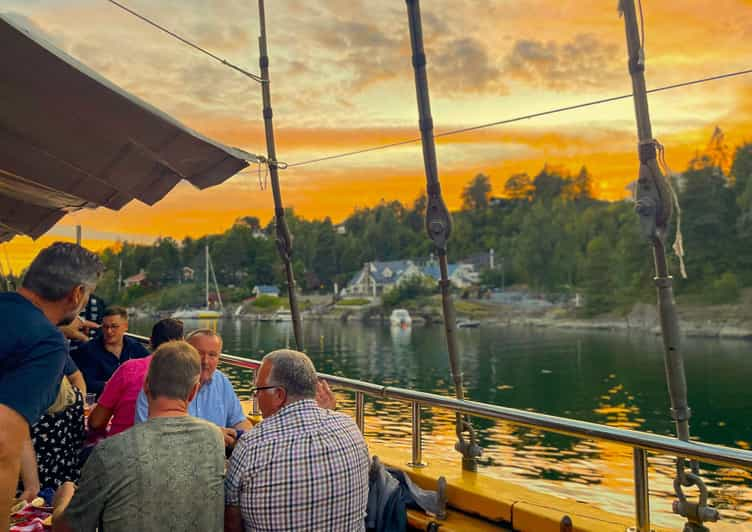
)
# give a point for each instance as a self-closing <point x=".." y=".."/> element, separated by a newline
<point x="377" y="277"/>
<point x="460" y="275"/>
<point x="265" y="290"/>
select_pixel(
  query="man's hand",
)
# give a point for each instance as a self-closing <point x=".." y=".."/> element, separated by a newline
<point x="324" y="396"/>
<point x="78" y="329"/>
<point x="60" y="502"/>
<point x="230" y="436"/>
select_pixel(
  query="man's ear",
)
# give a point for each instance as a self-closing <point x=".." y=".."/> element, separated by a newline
<point x="194" y="391"/>
<point x="147" y="391"/>
<point x="281" y="394"/>
<point x="77" y="295"/>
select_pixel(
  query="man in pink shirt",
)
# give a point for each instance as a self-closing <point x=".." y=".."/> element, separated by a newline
<point x="118" y="399"/>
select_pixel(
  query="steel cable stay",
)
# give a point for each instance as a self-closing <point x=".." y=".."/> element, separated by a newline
<point x="193" y="45"/>
<point x="520" y="118"/>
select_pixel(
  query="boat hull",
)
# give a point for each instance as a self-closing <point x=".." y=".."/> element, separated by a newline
<point x="196" y="315"/>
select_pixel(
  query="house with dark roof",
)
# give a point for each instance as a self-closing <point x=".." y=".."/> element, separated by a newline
<point x="378" y="277"/>
<point x="482" y="261"/>
<point x="460" y="275"/>
<point x="265" y="290"/>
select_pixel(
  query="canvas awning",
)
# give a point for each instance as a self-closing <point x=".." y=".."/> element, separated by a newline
<point x="70" y="139"/>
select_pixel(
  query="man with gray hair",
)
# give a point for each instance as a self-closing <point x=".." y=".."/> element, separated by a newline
<point x="303" y="467"/>
<point x="33" y="352"/>
<point x="216" y="400"/>
<point x="163" y="474"/>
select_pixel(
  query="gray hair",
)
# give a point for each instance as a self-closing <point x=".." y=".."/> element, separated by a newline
<point x="293" y="371"/>
<point x="60" y="268"/>
<point x="174" y="370"/>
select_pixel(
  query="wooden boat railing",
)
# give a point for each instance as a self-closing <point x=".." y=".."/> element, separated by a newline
<point x="640" y="442"/>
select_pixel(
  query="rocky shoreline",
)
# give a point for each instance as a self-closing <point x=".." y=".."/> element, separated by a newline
<point x="723" y="322"/>
<point x="644" y="318"/>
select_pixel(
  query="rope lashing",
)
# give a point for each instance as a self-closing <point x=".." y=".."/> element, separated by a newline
<point x="678" y="246"/>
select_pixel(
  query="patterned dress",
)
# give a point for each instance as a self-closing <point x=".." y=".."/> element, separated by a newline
<point x="58" y="439"/>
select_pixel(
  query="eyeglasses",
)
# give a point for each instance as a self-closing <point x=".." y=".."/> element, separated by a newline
<point x="256" y="389"/>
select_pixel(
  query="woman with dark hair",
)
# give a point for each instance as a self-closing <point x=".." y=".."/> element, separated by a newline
<point x="118" y="399"/>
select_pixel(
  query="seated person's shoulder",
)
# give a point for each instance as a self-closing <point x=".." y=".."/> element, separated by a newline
<point x="137" y="349"/>
<point x="223" y="382"/>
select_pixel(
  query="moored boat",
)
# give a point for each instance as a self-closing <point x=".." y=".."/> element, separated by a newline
<point x="196" y="314"/>
<point x="400" y="318"/>
<point x="282" y="315"/>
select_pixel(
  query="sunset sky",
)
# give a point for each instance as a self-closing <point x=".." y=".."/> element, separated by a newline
<point x="342" y="80"/>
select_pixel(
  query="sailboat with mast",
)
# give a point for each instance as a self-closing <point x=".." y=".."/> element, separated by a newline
<point x="205" y="313"/>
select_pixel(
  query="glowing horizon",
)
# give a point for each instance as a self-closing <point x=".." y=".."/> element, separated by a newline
<point x="342" y="81"/>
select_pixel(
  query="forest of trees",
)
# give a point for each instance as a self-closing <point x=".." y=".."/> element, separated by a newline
<point x="552" y="235"/>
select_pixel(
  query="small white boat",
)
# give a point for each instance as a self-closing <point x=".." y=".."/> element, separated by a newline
<point x="467" y="324"/>
<point x="282" y="315"/>
<point x="400" y="317"/>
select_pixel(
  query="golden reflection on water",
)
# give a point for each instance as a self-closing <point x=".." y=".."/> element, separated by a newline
<point x="595" y="472"/>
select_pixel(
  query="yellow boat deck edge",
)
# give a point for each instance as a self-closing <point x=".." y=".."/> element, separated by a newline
<point x="478" y="503"/>
<point x="501" y="501"/>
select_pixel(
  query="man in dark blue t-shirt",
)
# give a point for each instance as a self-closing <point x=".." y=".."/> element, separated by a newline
<point x="99" y="358"/>
<point x="33" y="351"/>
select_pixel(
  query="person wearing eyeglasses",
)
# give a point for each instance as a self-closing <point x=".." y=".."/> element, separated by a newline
<point x="118" y="399"/>
<point x="99" y="358"/>
<point x="303" y="467"/>
<point x="216" y="400"/>
<point x="148" y="478"/>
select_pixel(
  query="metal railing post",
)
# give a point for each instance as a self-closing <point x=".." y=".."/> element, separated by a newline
<point x="255" y="410"/>
<point x="360" y="411"/>
<point x="642" y="501"/>
<point x="417" y="433"/>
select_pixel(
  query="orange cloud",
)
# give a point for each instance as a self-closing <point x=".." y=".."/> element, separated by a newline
<point x="318" y="110"/>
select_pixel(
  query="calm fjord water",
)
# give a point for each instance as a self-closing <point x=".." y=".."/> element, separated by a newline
<point x="610" y="378"/>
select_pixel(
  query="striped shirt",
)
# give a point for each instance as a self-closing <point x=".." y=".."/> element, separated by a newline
<point x="304" y="468"/>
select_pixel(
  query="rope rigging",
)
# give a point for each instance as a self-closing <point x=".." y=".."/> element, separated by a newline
<point x="243" y="71"/>
<point x="520" y="118"/>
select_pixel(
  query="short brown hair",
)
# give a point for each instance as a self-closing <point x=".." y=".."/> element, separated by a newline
<point x="174" y="370"/>
<point x="115" y="310"/>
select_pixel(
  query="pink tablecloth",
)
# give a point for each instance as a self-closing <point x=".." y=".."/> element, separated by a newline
<point x="29" y="519"/>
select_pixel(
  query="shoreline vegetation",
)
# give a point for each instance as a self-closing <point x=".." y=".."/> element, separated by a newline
<point x="575" y="261"/>
<point x="698" y="321"/>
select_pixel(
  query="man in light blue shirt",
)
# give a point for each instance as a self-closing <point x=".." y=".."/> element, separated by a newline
<point x="216" y="400"/>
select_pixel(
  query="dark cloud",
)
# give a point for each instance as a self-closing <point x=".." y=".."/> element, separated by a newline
<point x="464" y="66"/>
<point x="584" y="62"/>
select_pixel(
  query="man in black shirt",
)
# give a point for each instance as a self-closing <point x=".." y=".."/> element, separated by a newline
<point x="99" y="358"/>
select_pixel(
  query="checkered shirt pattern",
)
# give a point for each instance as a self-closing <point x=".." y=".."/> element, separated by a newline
<point x="304" y="468"/>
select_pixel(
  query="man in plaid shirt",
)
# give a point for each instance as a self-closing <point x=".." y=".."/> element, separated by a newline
<point x="303" y="467"/>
